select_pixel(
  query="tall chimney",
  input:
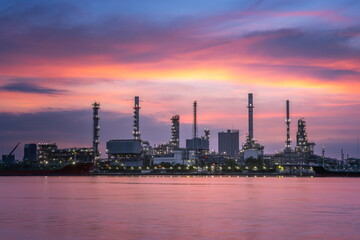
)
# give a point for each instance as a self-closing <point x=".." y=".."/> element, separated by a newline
<point x="96" y="128"/>
<point x="288" y="140"/>
<point x="136" y="131"/>
<point x="251" y="107"/>
<point x="195" y="125"/>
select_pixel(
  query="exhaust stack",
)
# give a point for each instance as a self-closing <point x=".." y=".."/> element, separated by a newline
<point x="251" y="122"/>
<point x="195" y="125"/>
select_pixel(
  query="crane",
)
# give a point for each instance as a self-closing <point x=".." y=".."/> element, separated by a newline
<point x="8" y="157"/>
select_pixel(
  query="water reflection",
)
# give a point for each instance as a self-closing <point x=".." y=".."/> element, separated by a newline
<point x="173" y="207"/>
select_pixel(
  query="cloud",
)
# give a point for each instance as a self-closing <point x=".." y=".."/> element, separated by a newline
<point x="25" y="87"/>
<point x="28" y="34"/>
<point x="296" y="43"/>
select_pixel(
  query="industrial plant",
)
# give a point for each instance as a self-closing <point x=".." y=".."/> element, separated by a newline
<point x="137" y="154"/>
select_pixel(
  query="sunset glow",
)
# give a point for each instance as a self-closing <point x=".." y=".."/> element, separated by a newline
<point x="57" y="57"/>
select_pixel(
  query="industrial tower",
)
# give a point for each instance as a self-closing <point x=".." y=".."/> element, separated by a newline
<point x="199" y="144"/>
<point x="136" y="131"/>
<point x="287" y="121"/>
<point x="302" y="143"/>
<point x="96" y="128"/>
<point x="175" y="131"/>
<point x="195" y="125"/>
<point x="251" y="107"/>
<point x="251" y="148"/>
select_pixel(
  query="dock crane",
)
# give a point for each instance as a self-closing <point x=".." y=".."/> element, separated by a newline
<point x="7" y="158"/>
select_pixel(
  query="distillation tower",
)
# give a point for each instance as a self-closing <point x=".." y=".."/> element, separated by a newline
<point x="195" y="124"/>
<point x="251" y="120"/>
<point x="136" y="130"/>
<point x="287" y="121"/>
<point x="302" y="143"/>
<point x="96" y="128"/>
<point x="175" y="131"/>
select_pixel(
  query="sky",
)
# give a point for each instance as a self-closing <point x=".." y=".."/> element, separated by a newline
<point x="58" y="57"/>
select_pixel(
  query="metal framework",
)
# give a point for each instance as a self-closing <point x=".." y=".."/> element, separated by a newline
<point x="96" y="128"/>
<point x="175" y="131"/>
<point x="251" y="107"/>
<point x="136" y="130"/>
<point x="287" y="121"/>
<point x="195" y="124"/>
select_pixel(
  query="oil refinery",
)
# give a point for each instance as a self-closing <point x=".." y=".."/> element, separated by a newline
<point x="137" y="154"/>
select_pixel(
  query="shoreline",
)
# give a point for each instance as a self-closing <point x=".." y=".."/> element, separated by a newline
<point x="206" y="174"/>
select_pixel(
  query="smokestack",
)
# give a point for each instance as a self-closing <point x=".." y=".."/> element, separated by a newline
<point x="175" y="131"/>
<point x="136" y="131"/>
<point x="251" y="107"/>
<point x="195" y="125"/>
<point x="96" y="128"/>
<point x="288" y="140"/>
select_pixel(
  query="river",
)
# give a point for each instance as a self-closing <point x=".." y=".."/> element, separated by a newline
<point x="172" y="207"/>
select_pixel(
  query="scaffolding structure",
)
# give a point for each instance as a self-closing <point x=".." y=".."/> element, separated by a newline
<point x="194" y="123"/>
<point x="175" y="131"/>
<point x="96" y="128"/>
<point x="136" y="130"/>
<point x="287" y="121"/>
<point x="302" y="143"/>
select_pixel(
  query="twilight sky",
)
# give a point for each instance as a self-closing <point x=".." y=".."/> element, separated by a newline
<point x="57" y="57"/>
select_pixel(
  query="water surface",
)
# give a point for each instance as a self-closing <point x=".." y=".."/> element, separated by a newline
<point x="179" y="208"/>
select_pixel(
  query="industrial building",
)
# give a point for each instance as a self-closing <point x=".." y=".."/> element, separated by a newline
<point x="49" y="152"/>
<point x="176" y="157"/>
<point x="251" y="148"/>
<point x="138" y="153"/>
<point x="130" y="152"/>
<point x="30" y="152"/>
<point x="166" y="149"/>
<point x="172" y="153"/>
<point x="304" y="150"/>
<point x="228" y="143"/>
